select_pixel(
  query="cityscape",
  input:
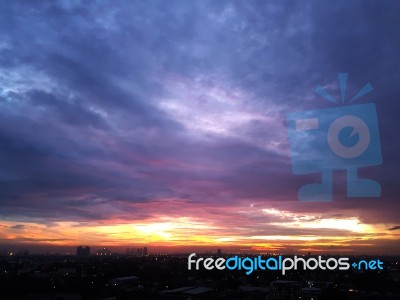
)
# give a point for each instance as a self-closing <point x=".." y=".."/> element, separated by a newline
<point x="139" y="274"/>
<point x="199" y="149"/>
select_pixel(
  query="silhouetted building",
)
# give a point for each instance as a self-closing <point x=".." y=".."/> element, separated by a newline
<point x="285" y="289"/>
<point x="394" y="274"/>
<point x="219" y="251"/>
<point x="123" y="280"/>
<point x="23" y="252"/>
<point x="311" y="293"/>
<point x="103" y="252"/>
<point x="83" y="251"/>
<point x="137" y="251"/>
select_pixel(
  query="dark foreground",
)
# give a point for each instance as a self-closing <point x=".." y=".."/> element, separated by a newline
<point x="167" y="277"/>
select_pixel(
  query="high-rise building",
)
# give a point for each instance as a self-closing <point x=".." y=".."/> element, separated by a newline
<point x="83" y="251"/>
<point x="137" y="251"/>
<point x="103" y="252"/>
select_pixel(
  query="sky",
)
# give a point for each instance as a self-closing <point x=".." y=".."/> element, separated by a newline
<point x="163" y="123"/>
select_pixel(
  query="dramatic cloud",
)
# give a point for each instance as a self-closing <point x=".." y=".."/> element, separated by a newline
<point x="394" y="228"/>
<point x="164" y="122"/>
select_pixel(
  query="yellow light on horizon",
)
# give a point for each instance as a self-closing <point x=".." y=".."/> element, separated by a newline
<point x="314" y="222"/>
<point x="161" y="230"/>
<point x="351" y="224"/>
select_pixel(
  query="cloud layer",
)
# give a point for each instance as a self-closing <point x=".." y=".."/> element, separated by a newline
<point x="171" y="115"/>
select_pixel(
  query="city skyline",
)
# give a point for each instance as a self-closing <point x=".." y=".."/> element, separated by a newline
<point x="163" y="125"/>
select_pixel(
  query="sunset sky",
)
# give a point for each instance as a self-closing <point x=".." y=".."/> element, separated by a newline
<point x="162" y="123"/>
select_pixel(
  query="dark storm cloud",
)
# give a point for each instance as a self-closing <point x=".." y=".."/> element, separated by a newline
<point x="18" y="227"/>
<point x="82" y="89"/>
<point x="395" y="227"/>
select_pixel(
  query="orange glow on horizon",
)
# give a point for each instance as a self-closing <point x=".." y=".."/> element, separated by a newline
<point x="284" y="230"/>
